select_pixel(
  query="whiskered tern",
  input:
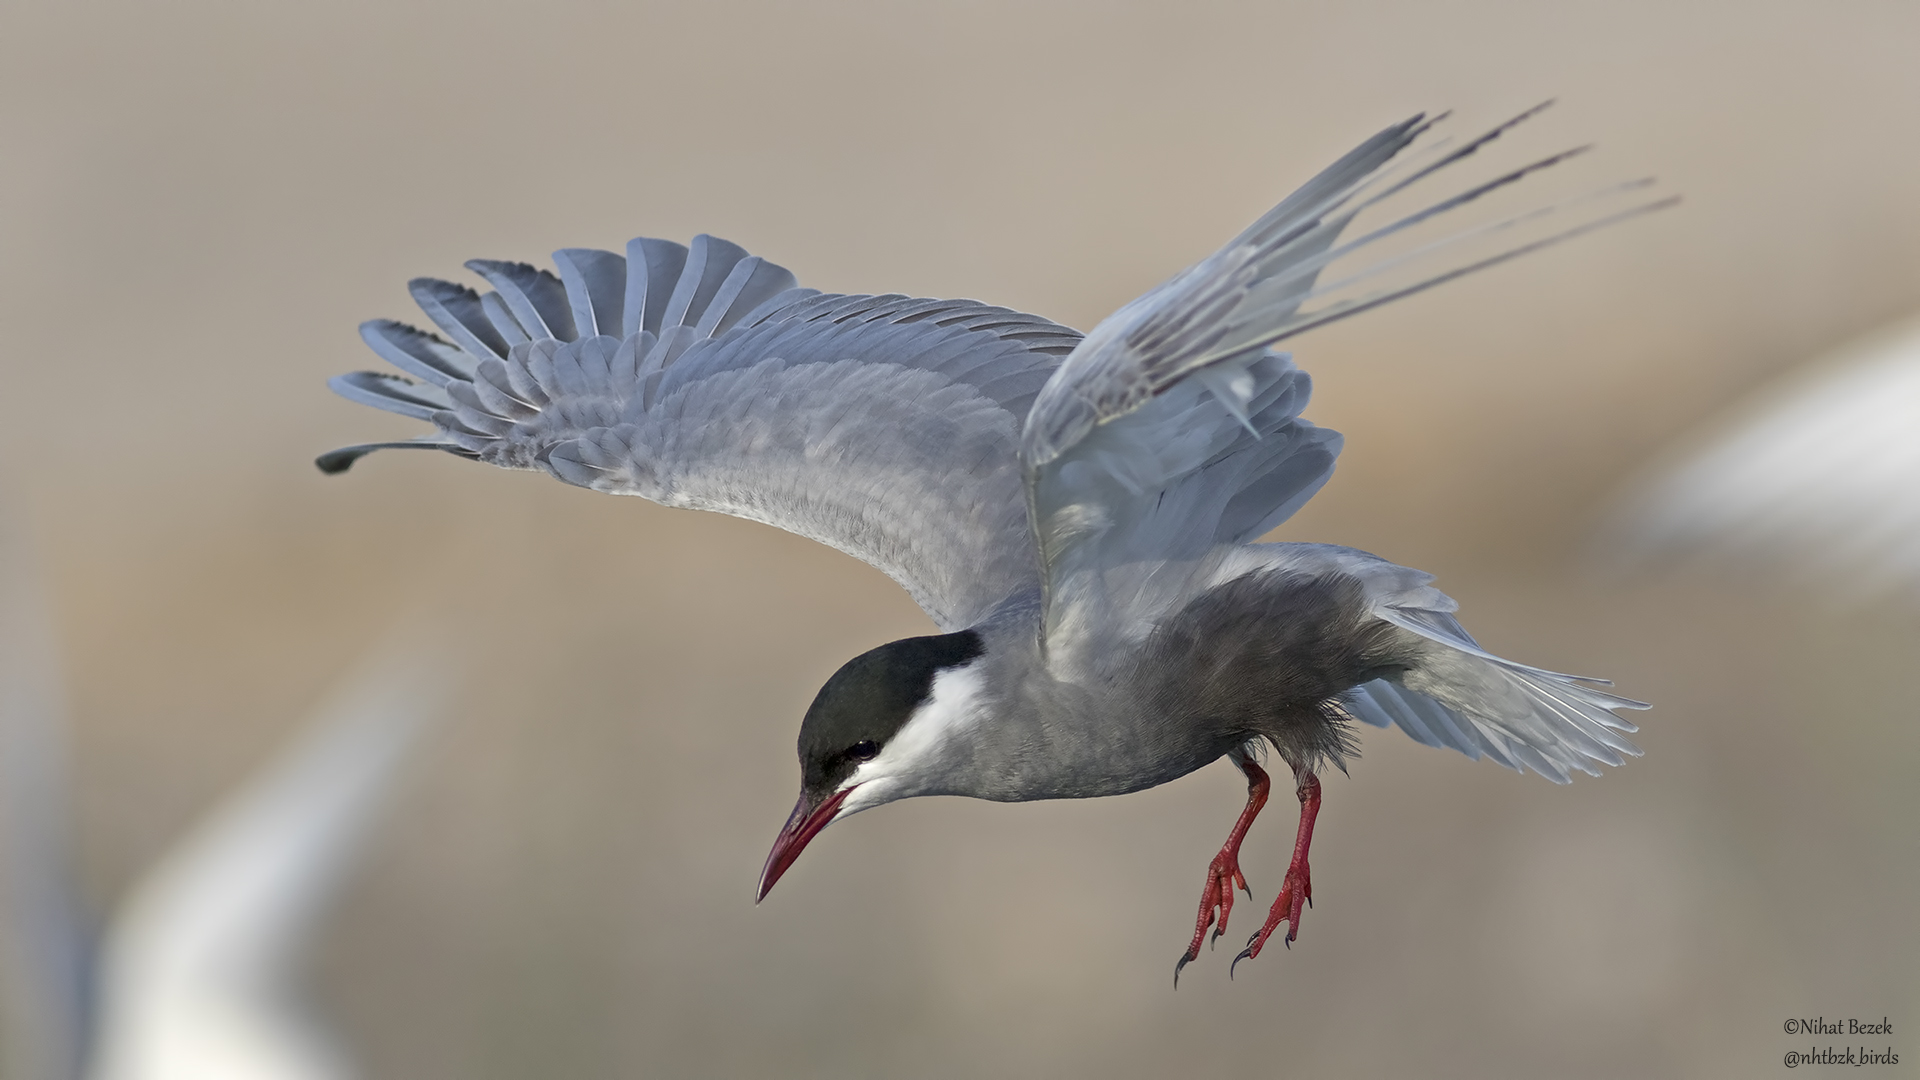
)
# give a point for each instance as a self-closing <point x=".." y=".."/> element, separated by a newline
<point x="1075" y="512"/>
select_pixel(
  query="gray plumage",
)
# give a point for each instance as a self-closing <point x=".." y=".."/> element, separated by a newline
<point x="1083" y="506"/>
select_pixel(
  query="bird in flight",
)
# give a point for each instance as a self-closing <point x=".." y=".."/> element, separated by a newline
<point x="1075" y="512"/>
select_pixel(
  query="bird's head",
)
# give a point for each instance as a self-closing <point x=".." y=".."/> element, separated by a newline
<point x="881" y="729"/>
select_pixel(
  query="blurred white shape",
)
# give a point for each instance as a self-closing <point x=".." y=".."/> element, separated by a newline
<point x="1817" y="478"/>
<point x="198" y="971"/>
<point x="197" y="976"/>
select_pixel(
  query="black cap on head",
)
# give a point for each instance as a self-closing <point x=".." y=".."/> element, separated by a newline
<point x="868" y="700"/>
<point x="852" y="719"/>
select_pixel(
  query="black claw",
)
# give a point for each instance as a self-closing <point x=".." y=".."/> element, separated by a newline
<point x="1244" y="953"/>
<point x="1309" y="902"/>
<point x="1176" y="969"/>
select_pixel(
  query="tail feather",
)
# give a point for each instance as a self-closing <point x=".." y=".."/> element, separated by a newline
<point x="1546" y="735"/>
<point x="1459" y="695"/>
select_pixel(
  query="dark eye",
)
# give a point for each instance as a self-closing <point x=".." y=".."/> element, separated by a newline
<point x="864" y="750"/>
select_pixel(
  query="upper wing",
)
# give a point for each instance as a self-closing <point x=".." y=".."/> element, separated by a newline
<point x="1821" y="477"/>
<point x="883" y="426"/>
<point x="1133" y="513"/>
<point x="1173" y="428"/>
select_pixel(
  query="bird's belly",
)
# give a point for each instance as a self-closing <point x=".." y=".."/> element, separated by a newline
<point x="1115" y="757"/>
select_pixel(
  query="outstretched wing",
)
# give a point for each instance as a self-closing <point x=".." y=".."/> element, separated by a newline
<point x="1137" y="511"/>
<point x="1173" y="428"/>
<point x="883" y="426"/>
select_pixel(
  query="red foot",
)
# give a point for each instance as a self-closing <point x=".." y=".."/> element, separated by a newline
<point x="1223" y="876"/>
<point x="1297" y="891"/>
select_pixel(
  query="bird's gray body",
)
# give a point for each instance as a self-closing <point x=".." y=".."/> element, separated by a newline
<point x="1283" y="649"/>
<point x="1259" y="658"/>
<point x="1084" y="509"/>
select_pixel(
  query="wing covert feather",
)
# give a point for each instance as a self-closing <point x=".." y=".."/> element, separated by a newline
<point x="902" y="468"/>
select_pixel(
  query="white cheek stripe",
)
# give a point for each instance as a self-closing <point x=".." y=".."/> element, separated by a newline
<point x="953" y="707"/>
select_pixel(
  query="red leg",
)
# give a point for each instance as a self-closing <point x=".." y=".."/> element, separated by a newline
<point x="1223" y="876"/>
<point x="1297" y="891"/>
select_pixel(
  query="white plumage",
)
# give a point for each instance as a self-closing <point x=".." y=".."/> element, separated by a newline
<point x="197" y="975"/>
<point x="1815" y="477"/>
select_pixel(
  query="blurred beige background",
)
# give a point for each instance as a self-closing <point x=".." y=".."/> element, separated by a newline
<point x="200" y="202"/>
